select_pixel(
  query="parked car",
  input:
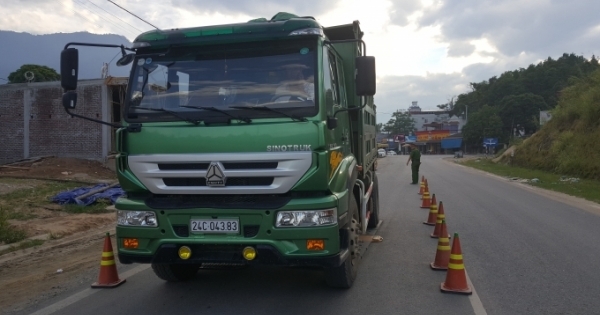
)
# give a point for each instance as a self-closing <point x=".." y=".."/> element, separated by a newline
<point x="391" y="152"/>
<point x="458" y="154"/>
<point x="381" y="153"/>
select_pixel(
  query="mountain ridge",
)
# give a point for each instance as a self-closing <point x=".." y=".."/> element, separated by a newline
<point x="21" y="48"/>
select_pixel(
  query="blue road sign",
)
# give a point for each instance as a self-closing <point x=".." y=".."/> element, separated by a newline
<point x="490" y="142"/>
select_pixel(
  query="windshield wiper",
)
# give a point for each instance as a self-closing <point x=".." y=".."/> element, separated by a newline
<point x="176" y="114"/>
<point x="270" y="109"/>
<point x="214" y="109"/>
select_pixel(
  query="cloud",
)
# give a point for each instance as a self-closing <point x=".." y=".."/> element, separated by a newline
<point x="256" y="8"/>
<point x="540" y="27"/>
<point x="402" y="11"/>
<point x="460" y="49"/>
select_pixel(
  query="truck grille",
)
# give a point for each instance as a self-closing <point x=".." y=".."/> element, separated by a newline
<point x="236" y="181"/>
<point x="244" y="173"/>
<point x="228" y="166"/>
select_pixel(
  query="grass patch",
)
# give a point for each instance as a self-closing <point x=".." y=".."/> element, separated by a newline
<point x="8" y="233"/>
<point x="585" y="188"/>
<point x="98" y="207"/>
<point x="33" y="196"/>
<point x="22" y="245"/>
<point x="18" y="203"/>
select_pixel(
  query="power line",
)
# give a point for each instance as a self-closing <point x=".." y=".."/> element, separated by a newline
<point x="90" y="1"/>
<point x="78" y="2"/>
<point x="81" y="15"/>
<point x="133" y="14"/>
<point x="114" y="57"/>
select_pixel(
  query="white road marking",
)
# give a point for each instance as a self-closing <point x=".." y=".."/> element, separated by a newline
<point x="474" y="298"/>
<point x="85" y="293"/>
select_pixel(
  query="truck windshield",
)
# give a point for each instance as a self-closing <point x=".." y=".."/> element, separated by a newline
<point x="228" y="78"/>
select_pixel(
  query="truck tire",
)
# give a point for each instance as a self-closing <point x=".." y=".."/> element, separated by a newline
<point x="175" y="272"/>
<point x="344" y="275"/>
<point x="374" y="205"/>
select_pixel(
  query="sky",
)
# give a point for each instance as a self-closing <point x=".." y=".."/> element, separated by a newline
<point x="427" y="51"/>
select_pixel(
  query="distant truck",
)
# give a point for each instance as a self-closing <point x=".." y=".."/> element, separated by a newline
<point x="244" y="144"/>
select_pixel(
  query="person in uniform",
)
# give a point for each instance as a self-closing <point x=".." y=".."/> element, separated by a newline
<point x="415" y="159"/>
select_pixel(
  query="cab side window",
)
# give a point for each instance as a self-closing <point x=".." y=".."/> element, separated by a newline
<point x="330" y="80"/>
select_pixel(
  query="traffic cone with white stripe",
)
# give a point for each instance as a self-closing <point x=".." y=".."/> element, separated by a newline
<point x="433" y="211"/>
<point x="442" y="255"/>
<point x="456" y="277"/>
<point x="108" y="277"/>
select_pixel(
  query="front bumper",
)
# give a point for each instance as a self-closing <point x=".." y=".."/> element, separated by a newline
<point x="210" y="253"/>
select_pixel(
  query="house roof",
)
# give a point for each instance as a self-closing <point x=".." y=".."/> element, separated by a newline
<point x="455" y="136"/>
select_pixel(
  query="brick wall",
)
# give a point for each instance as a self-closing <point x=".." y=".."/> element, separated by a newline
<point x="11" y="125"/>
<point x="34" y="122"/>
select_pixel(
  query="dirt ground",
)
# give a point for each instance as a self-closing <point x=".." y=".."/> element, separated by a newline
<point x="72" y="242"/>
<point x="68" y="169"/>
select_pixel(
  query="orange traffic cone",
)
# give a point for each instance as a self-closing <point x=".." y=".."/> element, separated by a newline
<point x="433" y="211"/>
<point x="441" y="221"/>
<point x="442" y="255"/>
<point x="108" y="277"/>
<point x="422" y="184"/>
<point x="426" y="201"/>
<point x="456" y="277"/>
<point x="426" y="189"/>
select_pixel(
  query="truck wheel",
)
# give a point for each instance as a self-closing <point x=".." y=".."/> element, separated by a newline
<point x="175" y="272"/>
<point x="374" y="205"/>
<point x="343" y="276"/>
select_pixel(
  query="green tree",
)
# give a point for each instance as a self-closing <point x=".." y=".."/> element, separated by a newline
<point x="400" y="123"/>
<point x="485" y="123"/>
<point x="40" y="74"/>
<point x="523" y="110"/>
<point x="447" y="106"/>
<point x="546" y="79"/>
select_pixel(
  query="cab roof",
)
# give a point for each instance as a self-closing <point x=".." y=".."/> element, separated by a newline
<point x="280" y="25"/>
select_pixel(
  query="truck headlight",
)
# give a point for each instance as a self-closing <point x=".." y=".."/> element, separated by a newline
<point x="136" y="218"/>
<point x="303" y="218"/>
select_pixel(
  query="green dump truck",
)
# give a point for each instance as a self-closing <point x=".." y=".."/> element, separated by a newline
<point x="243" y="144"/>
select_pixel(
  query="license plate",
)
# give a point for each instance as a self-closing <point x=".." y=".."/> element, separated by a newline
<point x="215" y="226"/>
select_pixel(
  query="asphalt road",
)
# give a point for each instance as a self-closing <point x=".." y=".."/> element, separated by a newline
<point x="525" y="253"/>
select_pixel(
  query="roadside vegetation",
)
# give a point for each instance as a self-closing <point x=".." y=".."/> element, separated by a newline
<point x="564" y="153"/>
<point x="584" y="188"/>
<point x="24" y="201"/>
<point x="8" y="233"/>
<point x="570" y="142"/>
<point x="510" y="103"/>
<point x="23" y="245"/>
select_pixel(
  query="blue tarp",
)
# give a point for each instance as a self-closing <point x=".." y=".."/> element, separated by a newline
<point x="68" y="197"/>
<point x="451" y="143"/>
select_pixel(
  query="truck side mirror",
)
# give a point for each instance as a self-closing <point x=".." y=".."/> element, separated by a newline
<point x="125" y="60"/>
<point x="365" y="76"/>
<point x="69" y="100"/>
<point x="69" y="68"/>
